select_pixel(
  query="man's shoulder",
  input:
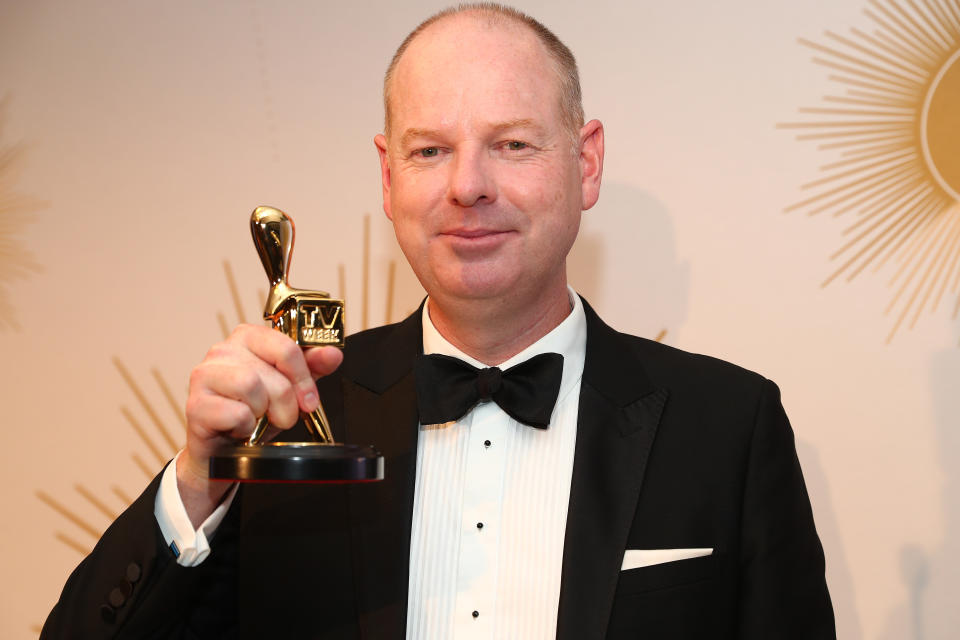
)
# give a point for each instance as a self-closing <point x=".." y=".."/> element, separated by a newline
<point x="664" y="359"/>
<point x="692" y="377"/>
<point x="704" y="394"/>
<point x="664" y="365"/>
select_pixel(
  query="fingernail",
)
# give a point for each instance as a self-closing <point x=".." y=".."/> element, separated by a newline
<point x="311" y="400"/>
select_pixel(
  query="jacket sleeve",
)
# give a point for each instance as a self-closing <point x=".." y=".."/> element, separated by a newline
<point x="130" y="585"/>
<point x="783" y="591"/>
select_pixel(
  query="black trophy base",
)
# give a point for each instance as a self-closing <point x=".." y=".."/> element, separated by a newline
<point x="313" y="462"/>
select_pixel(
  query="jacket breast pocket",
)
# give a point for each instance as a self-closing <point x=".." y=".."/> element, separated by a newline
<point x="666" y="575"/>
<point x="691" y="598"/>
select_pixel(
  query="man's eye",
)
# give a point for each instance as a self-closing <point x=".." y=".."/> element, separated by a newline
<point x="429" y="152"/>
<point x="516" y="145"/>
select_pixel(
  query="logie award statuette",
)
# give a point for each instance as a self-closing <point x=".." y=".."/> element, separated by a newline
<point x="311" y="319"/>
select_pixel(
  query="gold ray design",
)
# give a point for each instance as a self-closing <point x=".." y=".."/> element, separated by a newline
<point x="893" y="128"/>
<point x="168" y="438"/>
<point x="120" y="493"/>
<point x="17" y="211"/>
<point x="69" y="514"/>
<point x="159" y="440"/>
<point x="98" y="504"/>
<point x="160" y="453"/>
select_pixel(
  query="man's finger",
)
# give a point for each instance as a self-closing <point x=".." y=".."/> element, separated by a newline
<point x="217" y="417"/>
<point x="241" y="383"/>
<point x="323" y="361"/>
<point x="284" y="407"/>
<point x="283" y="354"/>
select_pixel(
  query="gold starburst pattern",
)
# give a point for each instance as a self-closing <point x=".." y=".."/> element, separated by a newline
<point x="161" y="441"/>
<point x="893" y="131"/>
<point x="16" y="212"/>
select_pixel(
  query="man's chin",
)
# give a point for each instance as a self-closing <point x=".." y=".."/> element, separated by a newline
<point x="476" y="287"/>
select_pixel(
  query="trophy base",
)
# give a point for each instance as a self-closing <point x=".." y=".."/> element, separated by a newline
<point x="313" y="462"/>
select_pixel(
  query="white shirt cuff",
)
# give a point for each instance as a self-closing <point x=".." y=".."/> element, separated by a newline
<point x="189" y="546"/>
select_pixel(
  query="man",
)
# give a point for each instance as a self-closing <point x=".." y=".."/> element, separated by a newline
<point x="663" y="500"/>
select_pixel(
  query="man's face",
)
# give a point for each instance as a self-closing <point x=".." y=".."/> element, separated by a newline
<point x="481" y="179"/>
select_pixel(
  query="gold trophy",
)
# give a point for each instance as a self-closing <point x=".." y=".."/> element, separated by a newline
<point x="311" y="319"/>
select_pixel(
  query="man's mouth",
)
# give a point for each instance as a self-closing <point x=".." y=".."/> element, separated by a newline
<point x="472" y="233"/>
<point x="475" y="239"/>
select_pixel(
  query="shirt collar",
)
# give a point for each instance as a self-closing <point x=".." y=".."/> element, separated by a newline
<point x="569" y="339"/>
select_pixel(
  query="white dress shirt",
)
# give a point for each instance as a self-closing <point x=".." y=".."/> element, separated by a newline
<point x="489" y="512"/>
<point x="518" y="488"/>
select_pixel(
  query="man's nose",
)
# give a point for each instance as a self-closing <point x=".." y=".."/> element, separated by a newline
<point x="470" y="178"/>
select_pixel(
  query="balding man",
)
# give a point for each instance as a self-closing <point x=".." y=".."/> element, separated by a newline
<point x="658" y="495"/>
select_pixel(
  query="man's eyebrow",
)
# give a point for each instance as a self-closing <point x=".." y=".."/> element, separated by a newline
<point x="519" y="123"/>
<point x="411" y="134"/>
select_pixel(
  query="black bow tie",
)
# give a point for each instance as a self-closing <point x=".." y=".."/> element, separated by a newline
<point x="447" y="388"/>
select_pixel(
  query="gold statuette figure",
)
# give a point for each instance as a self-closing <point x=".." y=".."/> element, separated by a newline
<point x="311" y="319"/>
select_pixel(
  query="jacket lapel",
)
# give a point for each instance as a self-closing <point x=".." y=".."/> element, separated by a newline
<point x="619" y="412"/>
<point x="380" y="409"/>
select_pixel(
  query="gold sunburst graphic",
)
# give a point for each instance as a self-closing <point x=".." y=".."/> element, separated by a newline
<point x="86" y="519"/>
<point x="16" y="212"/>
<point x="892" y="129"/>
<point x="161" y="441"/>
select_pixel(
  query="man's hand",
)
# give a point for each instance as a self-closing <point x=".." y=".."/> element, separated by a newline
<point x="255" y="371"/>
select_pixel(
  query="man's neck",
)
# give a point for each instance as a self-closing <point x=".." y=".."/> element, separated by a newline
<point x="493" y="331"/>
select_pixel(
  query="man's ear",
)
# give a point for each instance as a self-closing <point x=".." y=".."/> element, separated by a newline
<point x="381" y="143"/>
<point x="591" y="162"/>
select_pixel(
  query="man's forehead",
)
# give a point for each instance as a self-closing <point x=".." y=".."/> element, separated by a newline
<point x="452" y="61"/>
<point x="471" y="43"/>
<point x="471" y="25"/>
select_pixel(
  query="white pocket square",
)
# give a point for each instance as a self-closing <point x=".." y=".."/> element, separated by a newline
<point x="636" y="558"/>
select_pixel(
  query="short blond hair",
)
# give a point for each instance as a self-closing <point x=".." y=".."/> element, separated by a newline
<point x="565" y="65"/>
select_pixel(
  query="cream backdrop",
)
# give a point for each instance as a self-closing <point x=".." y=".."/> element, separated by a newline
<point x="150" y="130"/>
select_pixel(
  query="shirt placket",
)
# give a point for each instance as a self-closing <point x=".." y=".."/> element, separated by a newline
<point x="480" y="524"/>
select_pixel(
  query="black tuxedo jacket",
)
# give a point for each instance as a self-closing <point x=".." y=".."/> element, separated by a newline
<point x="673" y="451"/>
